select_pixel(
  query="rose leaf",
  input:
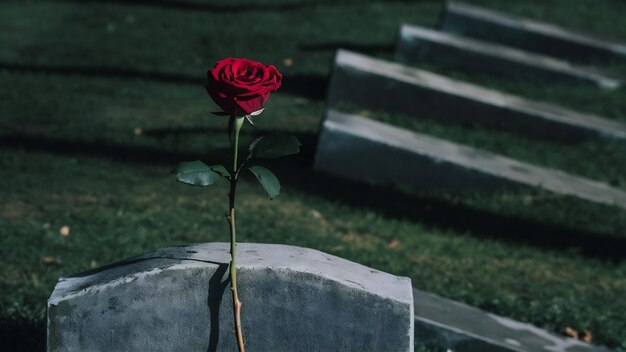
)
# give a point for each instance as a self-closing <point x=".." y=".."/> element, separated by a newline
<point x="196" y="173"/>
<point x="220" y="169"/>
<point x="267" y="179"/>
<point x="274" y="146"/>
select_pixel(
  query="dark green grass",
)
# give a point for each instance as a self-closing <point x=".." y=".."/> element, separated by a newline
<point x="100" y="99"/>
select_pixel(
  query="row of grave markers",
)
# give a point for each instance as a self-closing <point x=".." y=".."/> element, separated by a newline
<point x="485" y="42"/>
<point x="366" y="150"/>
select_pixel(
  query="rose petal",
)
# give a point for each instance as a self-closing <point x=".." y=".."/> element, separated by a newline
<point x="242" y="86"/>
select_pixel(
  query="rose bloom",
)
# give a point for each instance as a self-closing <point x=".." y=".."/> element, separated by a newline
<point x="241" y="86"/>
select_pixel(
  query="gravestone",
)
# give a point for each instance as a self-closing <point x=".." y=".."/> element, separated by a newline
<point x="178" y="299"/>
<point x="454" y="326"/>
<point x="418" y="44"/>
<point x="531" y="35"/>
<point x="368" y="150"/>
<point x="380" y="85"/>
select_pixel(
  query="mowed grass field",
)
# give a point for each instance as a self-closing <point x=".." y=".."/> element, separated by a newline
<point x="99" y="100"/>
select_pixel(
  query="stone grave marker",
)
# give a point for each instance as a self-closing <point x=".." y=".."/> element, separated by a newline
<point x="363" y="149"/>
<point x="454" y="326"/>
<point x="178" y="299"/>
<point x="531" y="35"/>
<point x="380" y="85"/>
<point x="418" y="44"/>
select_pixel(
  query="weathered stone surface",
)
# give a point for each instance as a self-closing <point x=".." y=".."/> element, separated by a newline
<point x="381" y="85"/>
<point x="419" y="44"/>
<point x="177" y="299"/>
<point x="451" y="325"/>
<point x="489" y="25"/>
<point x="364" y="149"/>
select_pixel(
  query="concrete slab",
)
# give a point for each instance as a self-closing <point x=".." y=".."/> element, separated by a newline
<point x="454" y="326"/>
<point x="177" y="299"/>
<point x="368" y="150"/>
<point x="531" y="35"/>
<point x="382" y="85"/>
<point x="418" y="44"/>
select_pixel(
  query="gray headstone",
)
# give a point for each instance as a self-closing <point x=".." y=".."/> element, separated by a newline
<point x="368" y="150"/>
<point x="493" y="26"/>
<point x="382" y="85"/>
<point x="177" y="299"/>
<point x="444" y="323"/>
<point x="419" y="44"/>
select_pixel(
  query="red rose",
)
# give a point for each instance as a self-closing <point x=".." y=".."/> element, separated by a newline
<point x="241" y="86"/>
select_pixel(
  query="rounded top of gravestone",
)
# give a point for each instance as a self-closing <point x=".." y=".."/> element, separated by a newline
<point x="249" y="256"/>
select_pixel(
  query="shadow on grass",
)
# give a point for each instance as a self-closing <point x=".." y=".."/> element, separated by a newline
<point x="22" y="335"/>
<point x="437" y="212"/>
<point x="368" y="49"/>
<point x="251" y="6"/>
<point x="424" y="208"/>
<point x="430" y="210"/>
<point x="117" y="152"/>
<point x="306" y="85"/>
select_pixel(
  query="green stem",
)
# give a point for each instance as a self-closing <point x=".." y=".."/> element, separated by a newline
<point x="233" y="239"/>
<point x="238" y="124"/>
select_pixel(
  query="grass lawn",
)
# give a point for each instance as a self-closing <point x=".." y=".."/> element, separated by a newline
<point x="100" y="99"/>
